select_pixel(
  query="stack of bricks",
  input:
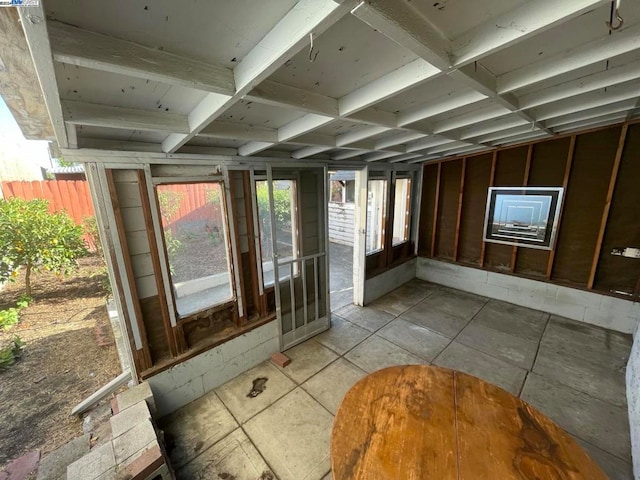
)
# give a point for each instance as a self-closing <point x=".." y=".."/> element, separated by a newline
<point x="133" y="452"/>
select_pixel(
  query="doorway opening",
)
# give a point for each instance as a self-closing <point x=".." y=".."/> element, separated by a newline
<point x="342" y="235"/>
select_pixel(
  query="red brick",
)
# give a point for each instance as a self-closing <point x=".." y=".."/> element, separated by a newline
<point x="280" y="359"/>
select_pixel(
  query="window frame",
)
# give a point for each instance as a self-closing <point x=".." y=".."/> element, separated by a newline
<point x="407" y="204"/>
<point x="267" y="287"/>
<point x="228" y="243"/>
<point x="385" y="216"/>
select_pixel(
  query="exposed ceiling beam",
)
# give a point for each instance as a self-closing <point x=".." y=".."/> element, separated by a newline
<point x="624" y="106"/>
<point x="376" y="156"/>
<point x="398" y="139"/>
<point x="527" y="19"/>
<point x="281" y="95"/>
<point x="309" y="151"/>
<point x="608" y="46"/>
<point x="239" y="131"/>
<point x="400" y="22"/>
<point x="477" y="116"/>
<point x="289" y="36"/>
<point x="34" y="25"/>
<point x="491" y="126"/>
<point x="76" y="46"/>
<point x="410" y="75"/>
<point x="80" y="113"/>
<point x="588" y="83"/>
<point x="359" y="134"/>
<point x="522" y="138"/>
<point x="345" y="155"/>
<point x="503" y="134"/>
<point x="438" y="106"/>
<point x="404" y="157"/>
<point x="587" y="101"/>
<point x="610" y="119"/>
<point x="426" y="143"/>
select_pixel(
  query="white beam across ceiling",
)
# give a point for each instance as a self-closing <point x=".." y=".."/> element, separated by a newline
<point x="608" y="46"/>
<point x="359" y="134"/>
<point x="492" y="126"/>
<point x="588" y="83"/>
<point x="287" y="38"/>
<point x="309" y="151"/>
<point x="404" y="157"/>
<point x="587" y="101"/>
<point x="438" y="106"/>
<point x="509" y="132"/>
<point x="522" y="138"/>
<point x="398" y="21"/>
<point x="410" y="75"/>
<point x="376" y="156"/>
<point x="608" y="119"/>
<point x="426" y="143"/>
<point x="34" y="25"/>
<point x="83" y="48"/>
<point x="281" y="95"/>
<point x="239" y="131"/>
<point x="398" y="139"/>
<point x="346" y="154"/>
<point x="527" y="19"/>
<point x="401" y="24"/>
<point x="482" y="114"/>
<point x="91" y="114"/>
<point x="624" y="106"/>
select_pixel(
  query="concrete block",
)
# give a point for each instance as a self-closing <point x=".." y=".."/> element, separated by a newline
<point x="98" y="463"/>
<point x="578" y="297"/>
<point x="54" y="466"/>
<point x="170" y="401"/>
<point x="574" y="312"/>
<point x="143" y="467"/>
<point x="133" y="442"/>
<point x="129" y="418"/>
<point x="224" y="373"/>
<point x="139" y="392"/>
<point x="612" y="321"/>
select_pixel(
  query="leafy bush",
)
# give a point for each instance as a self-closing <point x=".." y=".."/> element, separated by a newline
<point x="11" y="316"/>
<point x="33" y="238"/>
<point x="10" y="351"/>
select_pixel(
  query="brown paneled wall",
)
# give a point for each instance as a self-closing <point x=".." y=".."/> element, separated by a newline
<point x="600" y="172"/>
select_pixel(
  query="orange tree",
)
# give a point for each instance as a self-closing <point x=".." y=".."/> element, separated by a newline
<point x="35" y="239"/>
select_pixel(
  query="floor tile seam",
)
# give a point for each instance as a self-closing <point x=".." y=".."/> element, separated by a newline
<point x="261" y="410"/>
<point x="370" y="334"/>
<point x="422" y="299"/>
<point x="627" y="461"/>
<point x="459" y="332"/>
<point x="552" y="380"/>
<point x="426" y="328"/>
<point x="492" y="355"/>
<point x="246" y="433"/>
<point x="316" y="400"/>
<point x="403" y="348"/>
<point x="201" y="452"/>
<point x="544" y="331"/>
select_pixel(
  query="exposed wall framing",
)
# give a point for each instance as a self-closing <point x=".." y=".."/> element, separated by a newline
<point x="599" y="213"/>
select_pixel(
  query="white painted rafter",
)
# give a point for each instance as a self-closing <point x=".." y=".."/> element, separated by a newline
<point x="288" y="37"/>
<point x="589" y="83"/>
<point x="239" y="131"/>
<point x="34" y="25"/>
<point x="76" y="46"/>
<point x="96" y="115"/>
<point x="609" y="46"/>
<point x="526" y="20"/>
<point x="617" y="107"/>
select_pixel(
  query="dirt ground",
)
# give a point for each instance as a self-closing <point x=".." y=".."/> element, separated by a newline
<point x="62" y="362"/>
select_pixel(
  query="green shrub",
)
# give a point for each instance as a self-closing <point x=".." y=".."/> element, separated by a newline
<point x="33" y="238"/>
<point x="10" y="351"/>
<point x="9" y="317"/>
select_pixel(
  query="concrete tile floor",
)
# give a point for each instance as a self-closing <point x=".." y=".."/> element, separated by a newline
<point x="572" y="372"/>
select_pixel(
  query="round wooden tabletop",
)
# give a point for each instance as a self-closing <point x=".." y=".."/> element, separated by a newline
<point x="424" y="422"/>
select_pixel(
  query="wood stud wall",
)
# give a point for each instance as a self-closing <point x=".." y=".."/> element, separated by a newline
<point x="600" y="211"/>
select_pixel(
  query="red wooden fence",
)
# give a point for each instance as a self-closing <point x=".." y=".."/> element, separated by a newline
<point x="71" y="196"/>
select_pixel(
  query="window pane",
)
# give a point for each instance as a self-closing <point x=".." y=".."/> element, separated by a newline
<point x="196" y="240"/>
<point x="284" y="202"/>
<point x="376" y="214"/>
<point x="401" y="209"/>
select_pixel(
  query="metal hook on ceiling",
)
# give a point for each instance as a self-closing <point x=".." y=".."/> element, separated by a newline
<point x="618" y="17"/>
<point x="312" y="57"/>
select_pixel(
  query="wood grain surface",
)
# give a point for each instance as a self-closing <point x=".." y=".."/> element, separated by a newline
<point x="424" y="422"/>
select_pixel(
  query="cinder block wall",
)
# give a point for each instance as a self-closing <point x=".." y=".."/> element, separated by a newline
<point x="191" y="379"/>
<point x="589" y="307"/>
